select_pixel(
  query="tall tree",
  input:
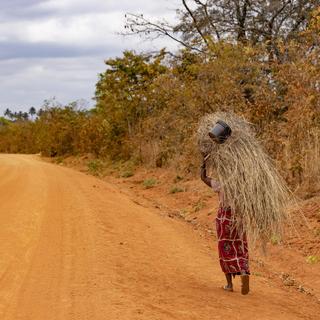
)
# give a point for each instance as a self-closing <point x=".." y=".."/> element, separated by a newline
<point x="204" y="21"/>
<point x="122" y="92"/>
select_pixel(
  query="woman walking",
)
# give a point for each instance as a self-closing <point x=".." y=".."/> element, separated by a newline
<point x="252" y="195"/>
<point x="232" y="247"/>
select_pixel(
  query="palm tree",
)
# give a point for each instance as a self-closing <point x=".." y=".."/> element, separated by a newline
<point x="8" y="113"/>
<point x="32" y="112"/>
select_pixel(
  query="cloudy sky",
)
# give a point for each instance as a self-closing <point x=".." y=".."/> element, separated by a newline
<point x="56" y="48"/>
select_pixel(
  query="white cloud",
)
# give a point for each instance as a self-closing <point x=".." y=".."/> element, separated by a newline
<point x="89" y="28"/>
<point x="57" y="47"/>
<point x="34" y="81"/>
<point x="85" y="29"/>
<point x="79" y="6"/>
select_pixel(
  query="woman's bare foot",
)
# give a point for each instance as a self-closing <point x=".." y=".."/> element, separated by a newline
<point x="245" y="284"/>
<point x="227" y="288"/>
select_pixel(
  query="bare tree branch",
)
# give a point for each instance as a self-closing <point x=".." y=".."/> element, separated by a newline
<point x="203" y="21"/>
<point x="137" y="25"/>
<point x="209" y="21"/>
<point x="195" y="22"/>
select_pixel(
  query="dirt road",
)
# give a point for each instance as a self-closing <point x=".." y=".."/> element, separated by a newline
<point x="74" y="247"/>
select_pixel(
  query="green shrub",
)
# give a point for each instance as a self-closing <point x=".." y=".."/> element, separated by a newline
<point x="275" y="240"/>
<point x="149" y="183"/>
<point x="177" y="179"/>
<point x="312" y="259"/>
<point x="198" y="206"/>
<point x="126" y="174"/>
<point x="59" y="160"/>
<point x="176" y="189"/>
<point x="95" y="167"/>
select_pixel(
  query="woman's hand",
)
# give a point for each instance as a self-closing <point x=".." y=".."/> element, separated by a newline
<point x="203" y="172"/>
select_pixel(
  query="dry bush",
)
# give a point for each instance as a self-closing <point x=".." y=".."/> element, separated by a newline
<point x="148" y="113"/>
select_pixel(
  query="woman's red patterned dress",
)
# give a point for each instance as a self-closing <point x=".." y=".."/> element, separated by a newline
<point x="233" y="248"/>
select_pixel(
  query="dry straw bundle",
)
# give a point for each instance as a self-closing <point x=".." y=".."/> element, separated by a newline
<point x="251" y="185"/>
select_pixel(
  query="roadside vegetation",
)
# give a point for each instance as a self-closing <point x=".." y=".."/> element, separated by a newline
<point x="148" y="105"/>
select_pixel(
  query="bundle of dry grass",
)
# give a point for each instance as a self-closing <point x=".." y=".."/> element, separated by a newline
<point x="252" y="187"/>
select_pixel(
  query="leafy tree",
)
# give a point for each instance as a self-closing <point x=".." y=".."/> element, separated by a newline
<point x="121" y="94"/>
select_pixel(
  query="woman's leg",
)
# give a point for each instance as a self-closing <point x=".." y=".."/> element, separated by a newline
<point x="229" y="286"/>
<point x="245" y="283"/>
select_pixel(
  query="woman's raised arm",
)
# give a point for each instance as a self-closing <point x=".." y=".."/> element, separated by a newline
<point x="203" y="174"/>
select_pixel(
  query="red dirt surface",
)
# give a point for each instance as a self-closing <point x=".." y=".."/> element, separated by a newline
<point x="76" y="247"/>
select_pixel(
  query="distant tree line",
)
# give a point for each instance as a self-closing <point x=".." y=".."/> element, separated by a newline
<point x="20" y="115"/>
